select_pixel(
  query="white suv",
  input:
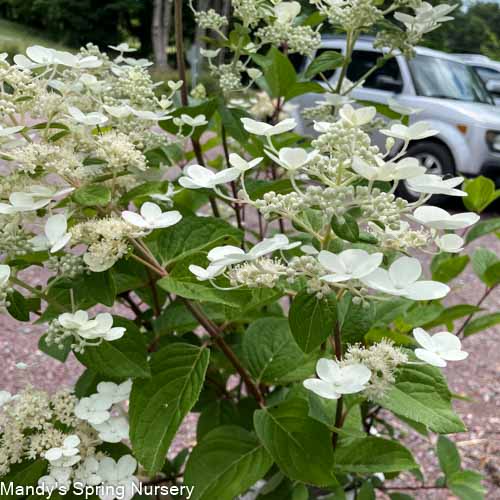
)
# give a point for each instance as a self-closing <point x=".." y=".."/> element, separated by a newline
<point x="452" y="97"/>
<point x="487" y="69"/>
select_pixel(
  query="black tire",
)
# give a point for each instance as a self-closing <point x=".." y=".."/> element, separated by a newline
<point x="438" y="160"/>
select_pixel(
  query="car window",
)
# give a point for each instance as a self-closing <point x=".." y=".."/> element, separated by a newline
<point x="487" y="73"/>
<point x="388" y="77"/>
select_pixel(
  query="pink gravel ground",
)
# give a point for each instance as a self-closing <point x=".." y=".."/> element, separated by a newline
<point x="478" y="378"/>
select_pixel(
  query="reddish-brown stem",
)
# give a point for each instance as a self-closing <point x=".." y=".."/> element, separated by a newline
<point x="480" y="301"/>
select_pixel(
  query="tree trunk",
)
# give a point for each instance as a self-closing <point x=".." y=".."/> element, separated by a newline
<point x="167" y="24"/>
<point x="158" y="34"/>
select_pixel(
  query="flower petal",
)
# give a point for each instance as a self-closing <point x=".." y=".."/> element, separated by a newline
<point x="430" y="358"/>
<point x="405" y="271"/>
<point x="321" y="388"/>
<point x="427" y="290"/>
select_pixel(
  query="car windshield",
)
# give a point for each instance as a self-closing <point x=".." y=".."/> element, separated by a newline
<point x="447" y="79"/>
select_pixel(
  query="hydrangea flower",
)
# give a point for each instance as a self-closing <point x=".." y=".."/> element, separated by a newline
<point x="114" y="393"/>
<point x="198" y="177"/>
<point x="99" y="327"/>
<point x="439" y="348"/>
<point x="434" y="184"/>
<point x="241" y="164"/>
<point x="69" y="448"/>
<point x="152" y="217"/>
<point x="451" y="243"/>
<point x="262" y="128"/>
<point x="402" y="280"/>
<point x="113" y="430"/>
<point x="357" y="117"/>
<point x="336" y="379"/>
<point x="438" y="218"/>
<point x="118" y="477"/>
<point x="91" y="119"/>
<point x="388" y="171"/>
<point x="349" y="264"/>
<point x="291" y="158"/>
<point x="88" y="472"/>
<point x="95" y="411"/>
<point x="5" y="397"/>
<point x="55" y="236"/>
<point x="415" y="132"/>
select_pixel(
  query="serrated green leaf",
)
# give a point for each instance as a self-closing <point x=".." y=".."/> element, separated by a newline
<point x="449" y="268"/>
<point x="226" y="462"/>
<point x="193" y="235"/>
<point x="269" y="350"/>
<point x="92" y="195"/>
<point x="483" y="228"/>
<point x="482" y="323"/>
<point x="449" y="458"/>
<point x="466" y="485"/>
<point x="480" y="193"/>
<point x="312" y="320"/>
<point x="158" y="405"/>
<point x="300" y="445"/>
<point x="482" y="259"/>
<point x="373" y="454"/>
<point x="326" y="61"/>
<point x="421" y="394"/>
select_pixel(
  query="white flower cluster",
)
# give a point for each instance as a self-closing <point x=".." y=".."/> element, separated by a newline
<point x="83" y="332"/>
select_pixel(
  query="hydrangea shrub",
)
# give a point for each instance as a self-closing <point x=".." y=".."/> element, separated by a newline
<point x="202" y="256"/>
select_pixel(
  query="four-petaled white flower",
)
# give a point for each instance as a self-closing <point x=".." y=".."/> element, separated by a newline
<point x="55" y="235"/>
<point x="336" y="380"/>
<point x="118" y="477"/>
<point x="114" y="393"/>
<point x="286" y="12"/>
<point x="95" y="411"/>
<point x="415" y="132"/>
<point x="439" y="348"/>
<point x="69" y="448"/>
<point x="113" y="430"/>
<point x="58" y="477"/>
<point x="437" y="218"/>
<point x="397" y="107"/>
<point x="241" y="164"/>
<point x="209" y="54"/>
<point x="348" y="265"/>
<point x="88" y="472"/>
<point x="99" y="327"/>
<point x="118" y="111"/>
<point x="72" y="61"/>
<point x="37" y="197"/>
<point x="204" y="274"/>
<point x="451" y="243"/>
<point x="402" y="280"/>
<point x="434" y="184"/>
<point x="261" y="128"/>
<point x="357" y="117"/>
<point x="382" y="171"/>
<point x="334" y="100"/>
<point x="198" y="177"/>
<point x="152" y="217"/>
<point x="291" y="158"/>
<point x="193" y="121"/>
<point x="149" y="115"/>
<point x="122" y="47"/>
<point x="91" y="119"/>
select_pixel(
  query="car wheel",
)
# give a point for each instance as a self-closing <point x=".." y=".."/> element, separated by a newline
<point x="437" y="160"/>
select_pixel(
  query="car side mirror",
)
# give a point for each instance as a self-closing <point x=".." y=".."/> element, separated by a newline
<point x="387" y="82"/>
<point x="493" y="86"/>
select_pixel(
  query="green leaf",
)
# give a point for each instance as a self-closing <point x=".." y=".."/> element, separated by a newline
<point x="122" y="358"/>
<point x="326" y="61"/>
<point x="193" y="235"/>
<point x="346" y="227"/>
<point x="482" y="259"/>
<point x="269" y="351"/>
<point x="373" y="454"/>
<point x="355" y="319"/>
<point x="366" y="492"/>
<point x="101" y="287"/>
<point x="449" y="458"/>
<point x="300" y="88"/>
<point x="278" y="72"/>
<point x="92" y="195"/>
<point x="466" y="485"/>
<point x="158" y="405"/>
<point x="421" y="394"/>
<point x="300" y="445"/>
<point x="20" y="307"/>
<point x="143" y="191"/>
<point x="226" y="462"/>
<point x="56" y="351"/>
<point x="482" y="228"/>
<point x="451" y="314"/>
<point x="23" y="474"/>
<point x="311" y="320"/>
<point x="480" y="193"/>
<point x="231" y="119"/>
<point x="482" y="323"/>
<point x="216" y="414"/>
<point x="491" y="276"/>
<point x="449" y="268"/>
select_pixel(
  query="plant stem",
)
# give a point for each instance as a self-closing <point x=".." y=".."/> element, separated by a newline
<point x="480" y="301"/>
<point x="214" y="333"/>
<point x="339" y="420"/>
